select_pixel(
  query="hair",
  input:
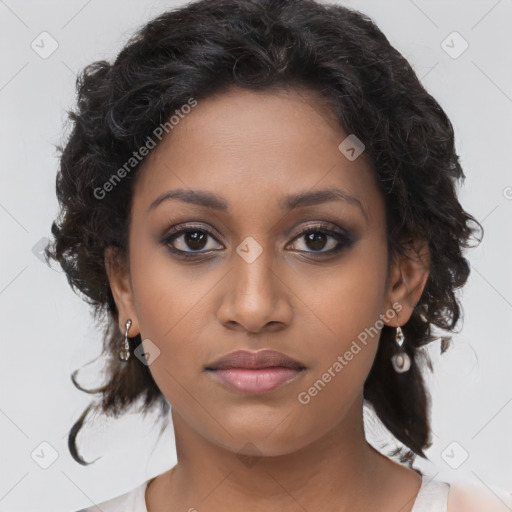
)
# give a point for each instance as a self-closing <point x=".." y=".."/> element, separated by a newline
<point x="206" y="47"/>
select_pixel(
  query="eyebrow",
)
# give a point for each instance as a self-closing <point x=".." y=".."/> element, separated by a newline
<point x="289" y="202"/>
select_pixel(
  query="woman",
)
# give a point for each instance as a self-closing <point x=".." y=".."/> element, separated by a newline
<point x="260" y="195"/>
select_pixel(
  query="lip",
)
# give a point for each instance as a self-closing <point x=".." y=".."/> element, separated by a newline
<point x="254" y="360"/>
<point x="255" y="373"/>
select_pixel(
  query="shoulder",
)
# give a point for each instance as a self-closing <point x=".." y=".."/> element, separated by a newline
<point x="134" y="501"/>
<point x="472" y="497"/>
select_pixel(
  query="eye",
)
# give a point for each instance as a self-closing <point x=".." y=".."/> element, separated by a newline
<point x="321" y="239"/>
<point x="190" y="240"/>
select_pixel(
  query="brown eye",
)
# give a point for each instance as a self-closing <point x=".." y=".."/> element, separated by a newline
<point x="190" y="240"/>
<point x="195" y="240"/>
<point x="316" y="241"/>
<point x="321" y="240"/>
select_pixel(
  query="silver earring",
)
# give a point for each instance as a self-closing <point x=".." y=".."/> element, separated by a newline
<point x="401" y="361"/>
<point x="124" y="353"/>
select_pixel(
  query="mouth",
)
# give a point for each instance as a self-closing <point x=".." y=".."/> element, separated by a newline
<point x="255" y="373"/>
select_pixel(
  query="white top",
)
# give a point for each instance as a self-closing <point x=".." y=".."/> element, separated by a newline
<point x="432" y="497"/>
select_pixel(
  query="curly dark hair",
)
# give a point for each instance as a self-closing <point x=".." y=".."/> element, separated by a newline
<point x="207" y="46"/>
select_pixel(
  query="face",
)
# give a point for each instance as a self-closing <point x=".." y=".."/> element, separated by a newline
<point x="251" y="230"/>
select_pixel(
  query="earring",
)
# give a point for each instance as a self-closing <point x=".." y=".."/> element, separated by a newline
<point x="124" y="353"/>
<point x="401" y="361"/>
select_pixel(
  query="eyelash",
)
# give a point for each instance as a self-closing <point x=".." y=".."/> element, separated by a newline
<point x="344" y="240"/>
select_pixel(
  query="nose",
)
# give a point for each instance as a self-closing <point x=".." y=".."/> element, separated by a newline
<point x="255" y="297"/>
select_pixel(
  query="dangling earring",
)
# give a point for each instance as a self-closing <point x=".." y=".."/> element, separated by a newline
<point x="124" y="353"/>
<point x="401" y="361"/>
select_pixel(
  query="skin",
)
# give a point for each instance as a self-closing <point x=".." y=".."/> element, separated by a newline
<point x="253" y="149"/>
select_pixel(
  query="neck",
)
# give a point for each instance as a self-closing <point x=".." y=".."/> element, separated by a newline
<point x="339" y="467"/>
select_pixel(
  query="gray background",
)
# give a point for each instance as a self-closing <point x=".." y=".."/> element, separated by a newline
<point x="47" y="331"/>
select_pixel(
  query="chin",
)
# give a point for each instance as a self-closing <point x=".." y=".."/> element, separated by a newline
<point x="267" y="442"/>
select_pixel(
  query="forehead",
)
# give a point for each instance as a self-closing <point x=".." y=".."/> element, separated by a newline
<point x="253" y="148"/>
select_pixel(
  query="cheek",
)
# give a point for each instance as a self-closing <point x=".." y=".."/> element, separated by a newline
<point x="345" y="327"/>
<point x="348" y="300"/>
<point x="171" y="303"/>
<point x="167" y="295"/>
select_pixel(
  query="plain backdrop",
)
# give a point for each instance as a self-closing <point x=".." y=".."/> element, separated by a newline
<point x="47" y="331"/>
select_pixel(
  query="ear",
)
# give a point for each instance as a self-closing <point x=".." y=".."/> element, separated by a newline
<point x="407" y="278"/>
<point x="119" y="278"/>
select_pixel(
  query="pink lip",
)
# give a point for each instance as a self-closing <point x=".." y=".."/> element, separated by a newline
<point x="255" y="382"/>
<point x="254" y="372"/>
